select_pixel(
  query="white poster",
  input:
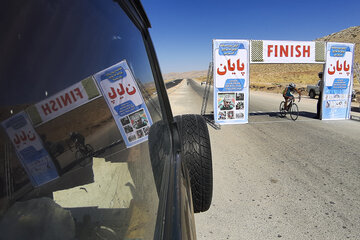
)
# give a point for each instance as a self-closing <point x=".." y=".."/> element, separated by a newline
<point x="231" y="81"/>
<point x="338" y="81"/>
<point x="122" y="94"/>
<point x="30" y="150"/>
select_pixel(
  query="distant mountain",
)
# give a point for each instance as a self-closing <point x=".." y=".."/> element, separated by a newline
<point x="349" y="35"/>
<point x="193" y="74"/>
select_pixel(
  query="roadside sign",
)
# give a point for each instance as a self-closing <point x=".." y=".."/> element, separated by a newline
<point x="338" y="81"/>
<point x="231" y="81"/>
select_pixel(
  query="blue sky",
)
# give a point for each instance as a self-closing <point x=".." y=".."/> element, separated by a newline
<point x="182" y="31"/>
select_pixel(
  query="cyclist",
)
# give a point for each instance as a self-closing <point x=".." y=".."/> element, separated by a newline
<point x="287" y="93"/>
<point x="77" y="139"/>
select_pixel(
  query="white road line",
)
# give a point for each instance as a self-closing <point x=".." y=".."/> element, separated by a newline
<point x="284" y="121"/>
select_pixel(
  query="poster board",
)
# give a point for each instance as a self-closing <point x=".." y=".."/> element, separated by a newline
<point x="231" y="81"/>
<point x="338" y="81"/>
<point x="30" y="150"/>
<point x="123" y="97"/>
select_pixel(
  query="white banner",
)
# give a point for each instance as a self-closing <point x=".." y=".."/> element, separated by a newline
<point x="285" y="52"/>
<point x="62" y="102"/>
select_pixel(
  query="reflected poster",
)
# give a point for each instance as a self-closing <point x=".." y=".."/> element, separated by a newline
<point x="123" y="97"/>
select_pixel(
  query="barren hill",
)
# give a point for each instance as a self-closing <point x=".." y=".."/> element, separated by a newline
<point x="269" y="75"/>
<point x="349" y="35"/>
<point x="193" y="74"/>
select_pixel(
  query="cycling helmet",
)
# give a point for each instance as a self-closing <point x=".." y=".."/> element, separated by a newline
<point x="292" y="85"/>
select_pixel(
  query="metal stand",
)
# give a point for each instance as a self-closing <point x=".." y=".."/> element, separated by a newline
<point x="357" y="70"/>
<point x="8" y="175"/>
<point x="208" y="117"/>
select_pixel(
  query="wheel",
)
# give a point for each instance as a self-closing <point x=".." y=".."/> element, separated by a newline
<point x="89" y="149"/>
<point x="196" y="153"/>
<point x="282" y="109"/>
<point x="312" y="94"/>
<point x="79" y="155"/>
<point x="294" y="111"/>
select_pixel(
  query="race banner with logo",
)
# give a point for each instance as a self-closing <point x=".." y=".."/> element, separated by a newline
<point x="338" y="81"/>
<point x="231" y="81"/>
<point x="122" y="95"/>
<point x="265" y="51"/>
<point x="30" y="150"/>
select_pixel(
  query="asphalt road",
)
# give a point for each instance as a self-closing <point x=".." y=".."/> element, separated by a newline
<point x="279" y="179"/>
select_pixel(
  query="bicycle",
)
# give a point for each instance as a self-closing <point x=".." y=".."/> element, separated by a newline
<point x="292" y="108"/>
<point x="84" y="152"/>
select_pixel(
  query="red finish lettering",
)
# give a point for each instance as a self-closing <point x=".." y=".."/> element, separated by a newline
<point x="78" y="92"/>
<point x="66" y="99"/>
<point x="276" y="50"/>
<point x="46" y="109"/>
<point x="297" y="48"/>
<point x="270" y="50"/>
<point x="58" y="101"/>
<point x="53" y="105"/>
<point x="73" y="95"/>
<point x="284" y="51"/>
<point x="306" y="51"/>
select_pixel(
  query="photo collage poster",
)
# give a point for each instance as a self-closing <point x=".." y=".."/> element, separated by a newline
<point x="231" y="81"/>
<point x="123" y="97"/>
<point x="338" y="81"/>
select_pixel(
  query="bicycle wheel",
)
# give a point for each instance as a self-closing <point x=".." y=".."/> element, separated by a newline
<point x="294" y="111"/>
<point x="79" y="155"/>
<point x="282" y="111"/>
<point x="86" y="155"/>
<point x="89" y="149"/>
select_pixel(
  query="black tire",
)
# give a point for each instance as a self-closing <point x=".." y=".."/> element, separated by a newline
<point x="196" y="154"/>
<point x="294" y="111"/>
<point x="282" y="111"/>
<point x="312" y="94"/>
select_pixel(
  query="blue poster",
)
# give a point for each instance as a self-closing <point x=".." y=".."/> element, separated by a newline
<point x="231" y="81"/>
<point x="30" y="150"/>
<point x="122" y="95"/>
<point x="338" y="81"/>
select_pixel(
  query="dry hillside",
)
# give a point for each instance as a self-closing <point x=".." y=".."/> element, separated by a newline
<point x="276" y="75"/>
